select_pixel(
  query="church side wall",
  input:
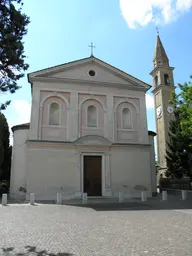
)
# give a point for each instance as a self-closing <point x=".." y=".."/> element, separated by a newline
<point x="129" y="168"/>
<point x="152" y="164"/>
<point x="19" y="162"/>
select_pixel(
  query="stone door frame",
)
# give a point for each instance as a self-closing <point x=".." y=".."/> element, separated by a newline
<point x="105" y="170"/>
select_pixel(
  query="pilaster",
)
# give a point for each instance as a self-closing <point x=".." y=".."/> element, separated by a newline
<point x="109" y="122"/>
<point x="73" y="120"/>
<point x="35" y="119"/>
<point x="107" y="168"/>
<point x="142" y="122"/>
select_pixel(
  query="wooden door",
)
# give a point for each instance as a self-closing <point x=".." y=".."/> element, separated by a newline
<point x="93" y="175"/>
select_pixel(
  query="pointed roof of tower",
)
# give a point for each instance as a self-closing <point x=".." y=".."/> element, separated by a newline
<point x="159" y="50"/>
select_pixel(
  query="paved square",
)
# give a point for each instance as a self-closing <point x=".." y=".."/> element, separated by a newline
<point x="68" y="230"/>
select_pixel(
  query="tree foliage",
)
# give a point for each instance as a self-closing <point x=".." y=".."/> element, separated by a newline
<point x="13" y="26"/>
<point x="6" y="164"/>
<point x="178" y="148"/>
<point x="179" y="151"/>
<point x="157" y="167"/>
<point x="5" y="149"/>
<point x="184" y="100"/>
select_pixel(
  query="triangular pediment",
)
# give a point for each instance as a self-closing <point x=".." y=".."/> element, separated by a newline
<point x="92" y="140"/>
<point x="81" y="71"/>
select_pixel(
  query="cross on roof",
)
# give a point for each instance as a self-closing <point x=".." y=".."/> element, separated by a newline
<point x="92" y="46"/>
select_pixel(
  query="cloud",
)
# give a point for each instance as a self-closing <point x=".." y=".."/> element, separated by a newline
<point x="143" y="12"/>
<point x="23" y="111"/>
<point x="149" y="101"/>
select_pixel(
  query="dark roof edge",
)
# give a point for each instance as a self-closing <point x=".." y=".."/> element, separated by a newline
<point x="20" y="127"/>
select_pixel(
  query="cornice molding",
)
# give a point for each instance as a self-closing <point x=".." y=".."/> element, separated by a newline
<point x="60" y="68"/>
<point x="159" y="68"/>
<point x="88" y="82"/>
<point x="74" y="144"/>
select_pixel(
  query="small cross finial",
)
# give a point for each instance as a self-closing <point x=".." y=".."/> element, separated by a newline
<point x="157" y="29"/>
<point x="92" y="46"/>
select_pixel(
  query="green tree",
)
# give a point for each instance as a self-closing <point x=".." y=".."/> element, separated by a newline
<point x="184" y="100"/>
<point x="180" y="134"/>
<point x="6" y="164"/>
<point x="178" y="150"/>
<point x="157" y="167"/>
<point x="13" y="26"/>
<point x="5" y="150"/>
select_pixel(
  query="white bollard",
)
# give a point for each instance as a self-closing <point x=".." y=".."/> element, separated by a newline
<point x="59" y="199"/>
<point x="143" y="196"/>
<point x="121" y="197"/>
<point x="4" y="199"/>
<point x="32" y="198"/>
<point x="184" y="194"/>
<point x="84" y="198"/>
<point x="164" y="195"/>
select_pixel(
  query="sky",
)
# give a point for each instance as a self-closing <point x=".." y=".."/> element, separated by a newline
<point x="123" y="31"/>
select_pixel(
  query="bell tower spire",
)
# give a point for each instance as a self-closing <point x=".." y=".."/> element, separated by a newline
<point x="163" y="86"/>
<point x="160" y="56"/>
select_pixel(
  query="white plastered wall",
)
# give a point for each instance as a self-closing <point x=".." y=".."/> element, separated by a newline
<point x="50" y="171"/>
<point x="19" y="162"/>
<point x="130" y="166"/>
<point x="152" y="164"/>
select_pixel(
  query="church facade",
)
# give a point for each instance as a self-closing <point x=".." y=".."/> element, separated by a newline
<point x="87" y="134"/>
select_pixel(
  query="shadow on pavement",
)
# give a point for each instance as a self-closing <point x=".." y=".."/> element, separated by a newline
<point x="173" y="202"/>
<point x="140" y="206"/>
<point x="30" y="250"/>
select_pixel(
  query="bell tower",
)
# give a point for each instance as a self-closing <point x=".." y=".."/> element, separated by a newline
<point x="163" y="86"/>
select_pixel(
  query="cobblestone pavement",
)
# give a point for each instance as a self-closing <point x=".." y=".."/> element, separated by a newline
<point x="68" y="230"/>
